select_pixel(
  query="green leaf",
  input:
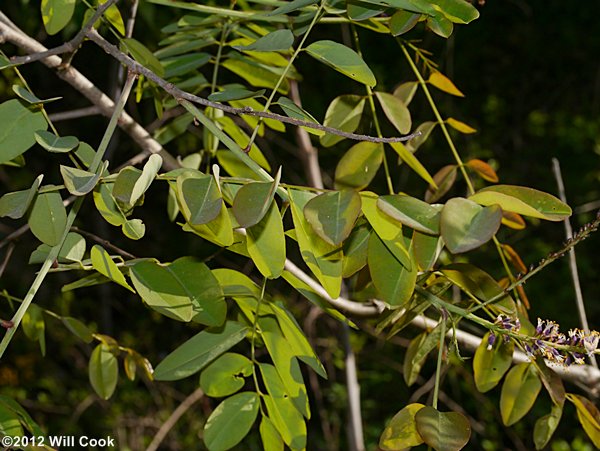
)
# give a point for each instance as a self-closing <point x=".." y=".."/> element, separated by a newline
<point x="230" y="94"/>
<point x="15" y="204"/>
<point x="113" y="15"/>
<point x="444" y="179"/>
<point x="149" y="172"/>
<point x="78" y="329"/>
<point x="266" y="243"/>
<point x="292" y="6"/>
<point x="281" y="410"/>
<point x="343" y="113"/>
<point x="55" y="144"/>
<point x="13" y="415"/>
<point x="466" y="225"/>
<point x="411" y="212"/>
<point x="458" y="11"/>
<point x="278" y="40"/>
<point x="87" y="281"/>
<point x="183" y="290"/>
<point x="357" y="168"/>
<point x="71" y="251"/>
<point x="197" y="352"/>
<point x="323" y="259"/>
<point x="231" y="421"/>
<point x="29" y="97"/>
<point x="355" y="250"/>
<point x="440" y="25"/>
<point x="545" y="426"/>
<point x="417" y="352"/>
<point x="395" y="110"/>
<point x="123" y="187"/>
<point x="359" y="11"/>
<point x="269" y="436"/>
<point x="200" y="198"/>
<point x="332" y="215"/>
<point x="524" y="201"/>
<point x="103" y="263"/>
<point x="255" y="73"/>
<point x="79" y="182"/>
<point x="34" y="326"/>
<point x="48" y="218"/>
<point x="285" y="363"/>
<point x="142" y="55"/>
<point x="401" y="432"/>
<point x="253" y="200"/>
<point x="294" y="111"/>
<point x="394" y="282"/>
<point x="103" y="371"/>
<point x="426" y="249"/>
<point x="490" y="365"/>
<point x="183" y="64"/>
<point x="408" y="157"/>
<point x="56" y="14"/>
<point x="218" y="231"/>
<point x="17" y="127"/>
<point x="443" y="431"/>
<point x="225" y="375"/>
<point x="134" y="229"/>
<point x="343" y="59"/>
<point x="386" y="228"/>
<point x="402" y="22"/>
<point x="588" y="416"/>
<point x="519" y="391"/>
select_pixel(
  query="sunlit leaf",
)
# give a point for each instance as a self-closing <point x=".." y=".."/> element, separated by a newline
<point x="519" y="391"/>
<point x="269" y="436"/>
<point x="48" y="218"/>
<point x="411" y="212"/>
<point x="225" y="375"/>
<point x="149" y="172"/>
<point x="344" y="113"/>
<point x="103" y="371"/>
<point x="443" y="83"/>
<point x="142" y="55"/>
<point x="56" y="14"/>
<point x="443" y="431"/>
<point x="103" y="263"/>
<point x="278" y="40"/>
<point x="466" y="225"/>
<point x="460" y="126"/>
<point x="484" y="170"/>
<point x="589" y="417"/>
<point x="524" y="201"/>
<point x="357" y="168"/>
<point x="395" y="110"/>
<point x="401" y="432"/>
<point x="458" y="11"/>
<point x="343" y="59"/>
<point x="197" y="352"/>
<point x="17" y="127"/>
<point x="490" y="365"/>
<point x="332" y="215"/>
<point x="266" y="243"/>
<point x="231" y="421"/>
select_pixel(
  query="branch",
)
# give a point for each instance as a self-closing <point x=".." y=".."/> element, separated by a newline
<point x="175" y="416"/>
<point x="10" y="33"/>
<point x="137" y="68"/>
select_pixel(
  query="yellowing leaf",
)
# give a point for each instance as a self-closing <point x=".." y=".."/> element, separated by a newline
<point x="484" y="170"/>
<point x="401" y="431"/>
<point x="513" y="220"/>
<point x="460" y="126"/>
<point x="443" y="83"/>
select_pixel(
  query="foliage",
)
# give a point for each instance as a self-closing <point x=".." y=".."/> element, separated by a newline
<point x="401" y="258"/>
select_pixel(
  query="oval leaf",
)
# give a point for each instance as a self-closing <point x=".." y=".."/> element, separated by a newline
<point x="489" y="365"/>
<point x="357" y="168"/>
<point x="199" y="351"/>
<point x="146" y="178"/>
<point x="266" y="243"/>
<point x="443" y="431"/>
<point x="343" y="113"/>
<point x="103" y="263"/>
<point x="17" y="127"/>
<point x="278" y="40"/>
<point x="200" y="198"/>
<point x="519" y="391"/>
<point x="588" y="416"/>
<point x="411" y="212"/>
<point x="15" y="205"/>
<point x="48" y="218"/>
<point x="396" y="111"/>
<point x="343" y="59"/>
<point x="253" y="200"/>
<point x="401" y="432"/>
<point x="444" y="179"/>
<point x="56" y="14"/>
<point x="56" y="144"/>
<point x="484" y="170"/>
<point x="231" y="421"/>
<point x="460" y="126"/>
<point x="466" y="225"/>
<point x="524" y="201"/>
<point x="225" y="375"/>
<point x="402" y="22"/>
<point x="79" y="182"/>
<point x="332" y="215"/>
<point x="183" y="290"/>
<point x="103" y="371"/>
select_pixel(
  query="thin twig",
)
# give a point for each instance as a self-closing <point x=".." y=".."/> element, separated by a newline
<point x="103" y="242"/>
<point x="180" y="94"/>
<point x="9" y="252"/>
<point x="572" y="259"/>
<point x="188" y="402"/>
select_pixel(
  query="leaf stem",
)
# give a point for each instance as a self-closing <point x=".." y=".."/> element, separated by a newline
<point x="438" y="371"/>
<point x="53" y="254"/>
